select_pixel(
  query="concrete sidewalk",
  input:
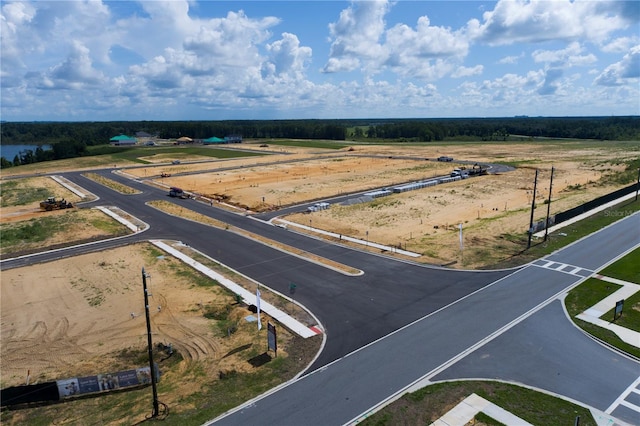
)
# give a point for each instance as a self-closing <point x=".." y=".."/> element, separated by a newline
<point x="463" y="413"/>
<point x="593" y="314"/>
<point x="466" y="410"/>
<point x="118" y="215"/>
<point x="248" y="297"/>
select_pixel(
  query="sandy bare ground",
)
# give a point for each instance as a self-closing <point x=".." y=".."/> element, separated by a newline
<point x="60" y="317"/>
<point x="8" y="194"/>
<point x="491" y="208"/>
<point x="69" y="318"/>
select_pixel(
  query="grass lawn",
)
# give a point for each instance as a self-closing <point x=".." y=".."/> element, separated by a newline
<point x="46" y="232"/>
<point x="626" y="269"/>
<point x="308" y="143"/>
<point x="630" y="317"/>
<point x="591" y="292"/>
<point x="134" y="154"/>
<point x="432" y="402"/>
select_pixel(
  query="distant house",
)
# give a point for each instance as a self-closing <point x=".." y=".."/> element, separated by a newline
<point x="233" y="139"/>
<point x="213" y="140"/>
<point x="143" y="135"/>
<point x="122" y="140"/>
<point x="184" y="139"/>
<point x="227" y="139"/>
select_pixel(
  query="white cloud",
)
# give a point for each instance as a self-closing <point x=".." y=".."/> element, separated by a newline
<point x="169" y="59"/>
<point x="467" y="72"/>
<point x="428" y="52"/>
<point x="620" y="44"/>
<point x="568" y="57"/>
<point x="287" y="58"/>
<point x="219" y="58"/>
<point x="14" y="19"/>
<point x="511" y="59"/>
<point x="623" y="71"/>
<point x="540" y="20"/>
<point x="356" y="36"/>
<point x="75" y="72"/>
<point x="426" y="41"/>
<point x="361" y="41"/>
<point x="232" y="40"/>
<point x="551" y="81"/>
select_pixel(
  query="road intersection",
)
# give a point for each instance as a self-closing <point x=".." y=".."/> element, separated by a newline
<point x="401" y="325"/>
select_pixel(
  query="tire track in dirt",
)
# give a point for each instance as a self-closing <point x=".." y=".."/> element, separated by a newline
<point x="192" y="345"/>
<point x="44" y="346"/>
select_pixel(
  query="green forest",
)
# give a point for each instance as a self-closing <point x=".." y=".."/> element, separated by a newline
<point x="72" y="139"/>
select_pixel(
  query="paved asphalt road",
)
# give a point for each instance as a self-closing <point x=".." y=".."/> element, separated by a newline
<point x="353" y="311"/>
<point x="400" y="322"/>
<point x="514" y="330"/>
<point x="565" y="362"/>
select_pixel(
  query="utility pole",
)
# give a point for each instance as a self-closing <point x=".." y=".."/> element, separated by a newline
<point x="155" y="411"/>
<point x="546" y="228"/>
<point x="533" y="206"/>
<point x="638" y="184"/>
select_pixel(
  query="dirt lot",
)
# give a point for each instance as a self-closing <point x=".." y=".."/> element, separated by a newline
<point x="75" y="317"/>
<point x="493" y="209"/>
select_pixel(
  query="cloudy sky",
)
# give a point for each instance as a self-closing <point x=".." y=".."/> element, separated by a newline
<point x="216" y="60"/>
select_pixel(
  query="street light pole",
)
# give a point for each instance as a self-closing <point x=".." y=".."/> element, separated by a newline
<point x="638" y="184"/>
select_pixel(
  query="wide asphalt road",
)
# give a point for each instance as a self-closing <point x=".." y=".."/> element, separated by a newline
<point x="353" y="311"/>
<point x="514" y="330"/>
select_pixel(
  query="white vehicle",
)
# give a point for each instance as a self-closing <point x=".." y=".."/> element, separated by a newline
<point x="463" y="174"/>
<point x="318" y="206"/>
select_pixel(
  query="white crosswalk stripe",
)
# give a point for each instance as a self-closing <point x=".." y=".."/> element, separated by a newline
<point x="563" y="267"/>
<point x="623" y="400"/>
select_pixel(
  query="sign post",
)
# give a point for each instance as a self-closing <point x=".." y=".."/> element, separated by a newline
<point x="272" y="340"/>
<point x="618" y="311"/>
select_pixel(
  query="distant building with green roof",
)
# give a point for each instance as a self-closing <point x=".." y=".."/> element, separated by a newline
<point x="213" y="140"/>
<point x="123" y="140"/>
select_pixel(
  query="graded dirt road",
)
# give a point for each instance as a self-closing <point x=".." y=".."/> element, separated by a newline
<point x="494" y="209"/>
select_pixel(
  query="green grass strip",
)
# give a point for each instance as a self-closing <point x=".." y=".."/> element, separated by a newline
<point x="432" y="402"/>
<point x="585" y="296"/>
<point x="625" y="269"/>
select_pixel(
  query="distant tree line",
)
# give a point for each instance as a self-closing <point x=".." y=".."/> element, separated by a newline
<point x="59" y="150"/>
<point x="71" y="139"/>
<point x="487" y="129"/>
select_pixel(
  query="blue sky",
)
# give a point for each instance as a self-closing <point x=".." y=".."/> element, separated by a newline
<point x="216" y="60"/>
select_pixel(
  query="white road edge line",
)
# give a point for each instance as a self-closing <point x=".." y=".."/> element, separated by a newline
<point x="422" y="381"/>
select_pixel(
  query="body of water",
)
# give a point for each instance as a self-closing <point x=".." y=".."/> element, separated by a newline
<point x="10" y="151"/>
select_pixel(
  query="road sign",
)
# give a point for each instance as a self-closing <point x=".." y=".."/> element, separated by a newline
<point x="618" y="311"/>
